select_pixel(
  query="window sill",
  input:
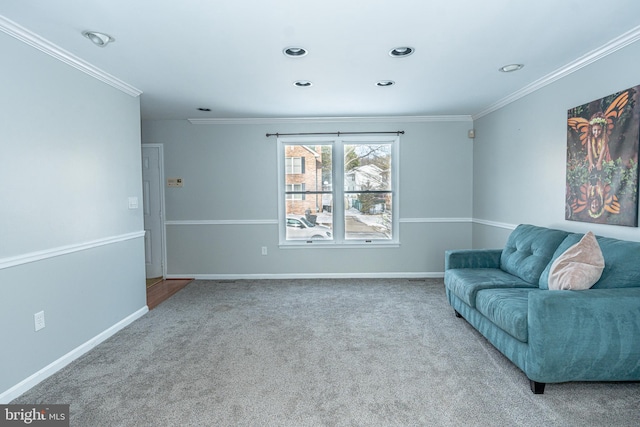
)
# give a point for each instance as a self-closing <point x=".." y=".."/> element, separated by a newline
<point x="315" y="244"/>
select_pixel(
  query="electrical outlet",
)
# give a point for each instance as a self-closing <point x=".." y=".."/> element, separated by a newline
<point x="264" y="250"/>
<point x="38" y="319"/>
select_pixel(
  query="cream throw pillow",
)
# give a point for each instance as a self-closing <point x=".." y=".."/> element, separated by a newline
<point x="579" y="267"/>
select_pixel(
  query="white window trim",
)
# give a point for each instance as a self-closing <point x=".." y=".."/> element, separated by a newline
<point x="338" y="142"/>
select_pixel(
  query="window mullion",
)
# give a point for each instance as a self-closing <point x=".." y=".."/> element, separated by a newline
<point x="338" y="190"/>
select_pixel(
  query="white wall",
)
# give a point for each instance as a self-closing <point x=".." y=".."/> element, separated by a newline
<point x="520" y="153"/>
<point x="230" y="191"/>
<point x="69" y="160"/>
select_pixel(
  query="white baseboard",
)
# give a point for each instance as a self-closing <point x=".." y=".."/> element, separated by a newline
<point x="419" y="275"/>
<point x="55" y="366"/>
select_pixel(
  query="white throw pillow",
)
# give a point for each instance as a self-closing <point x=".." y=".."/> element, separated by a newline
<point x="579" y="267"/>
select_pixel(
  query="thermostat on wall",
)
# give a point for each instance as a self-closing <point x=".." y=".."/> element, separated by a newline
<point x="174" y="182"/>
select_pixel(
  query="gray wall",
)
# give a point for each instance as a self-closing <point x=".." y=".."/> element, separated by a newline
<point x="70" y="160"/>
<point x="520" y="153"/>
<point x="227" y="209"/>
<point x="69" y="245"/>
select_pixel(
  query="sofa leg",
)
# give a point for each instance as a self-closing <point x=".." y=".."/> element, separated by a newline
<point x="457" y="314"/>
<point x="536" y="387"/>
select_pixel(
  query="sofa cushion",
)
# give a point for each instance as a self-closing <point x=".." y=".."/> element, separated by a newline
<point x="466" y="282"/>
<point x="621" y="266"/>
<point x="507" y="309"/>
<point x="579" y="267"/>
<point x="528" y="251"/>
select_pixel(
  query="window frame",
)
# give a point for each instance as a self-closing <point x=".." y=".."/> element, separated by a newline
<point x="338" y="191"/>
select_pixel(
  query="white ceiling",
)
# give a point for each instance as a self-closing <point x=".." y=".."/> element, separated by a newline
<point x="226" y="55"/>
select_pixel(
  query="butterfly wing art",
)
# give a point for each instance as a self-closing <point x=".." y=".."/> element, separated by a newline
<point x="613" y="112"/>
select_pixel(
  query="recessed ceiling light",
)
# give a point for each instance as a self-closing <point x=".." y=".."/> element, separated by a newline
<point x="400" y="52"/>
<point x="511" y="68"/>
<point x="204" y="109"/>
<point x="294" y="52"/>
<point x="99" y="39"/>
<point x="385" y="83"/>
<point x="303" y="83"/>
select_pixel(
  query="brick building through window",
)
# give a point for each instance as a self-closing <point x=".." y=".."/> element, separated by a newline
<point x="303" y="174"/>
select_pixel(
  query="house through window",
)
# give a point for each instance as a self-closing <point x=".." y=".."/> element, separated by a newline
<point x="338" y="190"/>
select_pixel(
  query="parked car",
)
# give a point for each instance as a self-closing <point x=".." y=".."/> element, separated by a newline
<point x="299" y="228"/>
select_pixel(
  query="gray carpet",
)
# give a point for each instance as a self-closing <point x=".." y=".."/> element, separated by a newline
<point x="315" y="353"/>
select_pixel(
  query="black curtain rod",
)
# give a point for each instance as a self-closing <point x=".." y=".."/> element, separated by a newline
<point x="397" y="132"/>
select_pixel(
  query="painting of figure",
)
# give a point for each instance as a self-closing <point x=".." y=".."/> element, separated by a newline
<point x="602" y="160"/>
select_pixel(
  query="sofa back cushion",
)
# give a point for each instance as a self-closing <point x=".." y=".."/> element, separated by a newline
<point x="529" y="249"/>
<point x="621" y="266"/>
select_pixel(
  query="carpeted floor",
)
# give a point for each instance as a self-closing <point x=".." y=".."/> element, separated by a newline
<point x="316" y="353"/>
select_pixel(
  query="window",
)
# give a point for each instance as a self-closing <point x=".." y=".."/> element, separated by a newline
<point x="295" y="191"/>
<point x="338" y="190"/>
<point x="294" y="165"/>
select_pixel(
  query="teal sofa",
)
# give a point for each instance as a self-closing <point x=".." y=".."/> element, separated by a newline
<point x="553" y="336"/>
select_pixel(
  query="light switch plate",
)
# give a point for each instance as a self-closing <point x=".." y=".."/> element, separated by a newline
<point x="133" y="203"/>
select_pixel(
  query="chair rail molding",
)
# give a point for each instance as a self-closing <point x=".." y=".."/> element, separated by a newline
<point x="64" y="250"/>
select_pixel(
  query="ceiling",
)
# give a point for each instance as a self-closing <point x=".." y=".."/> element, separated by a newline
<point x="226" y="55"/>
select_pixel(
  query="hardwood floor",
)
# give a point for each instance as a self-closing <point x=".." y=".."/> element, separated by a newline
<point x="162" y="290"/>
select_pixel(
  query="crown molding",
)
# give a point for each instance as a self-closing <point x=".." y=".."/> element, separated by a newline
<point x="366" y="119"/>
<point x="614" y="45"/>
<point x="14" y="30"/>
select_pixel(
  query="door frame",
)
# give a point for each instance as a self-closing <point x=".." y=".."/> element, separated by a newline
<point x="163" y="228"/>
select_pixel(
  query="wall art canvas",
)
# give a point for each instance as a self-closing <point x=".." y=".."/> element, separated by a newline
<point x="602" y="160"/>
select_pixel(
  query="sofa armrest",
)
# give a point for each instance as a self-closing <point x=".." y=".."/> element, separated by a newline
<point x="472" y="258"/>
<point x="584" y="335"/>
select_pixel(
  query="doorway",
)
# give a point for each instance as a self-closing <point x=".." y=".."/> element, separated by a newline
<point x="153" y="205"/>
